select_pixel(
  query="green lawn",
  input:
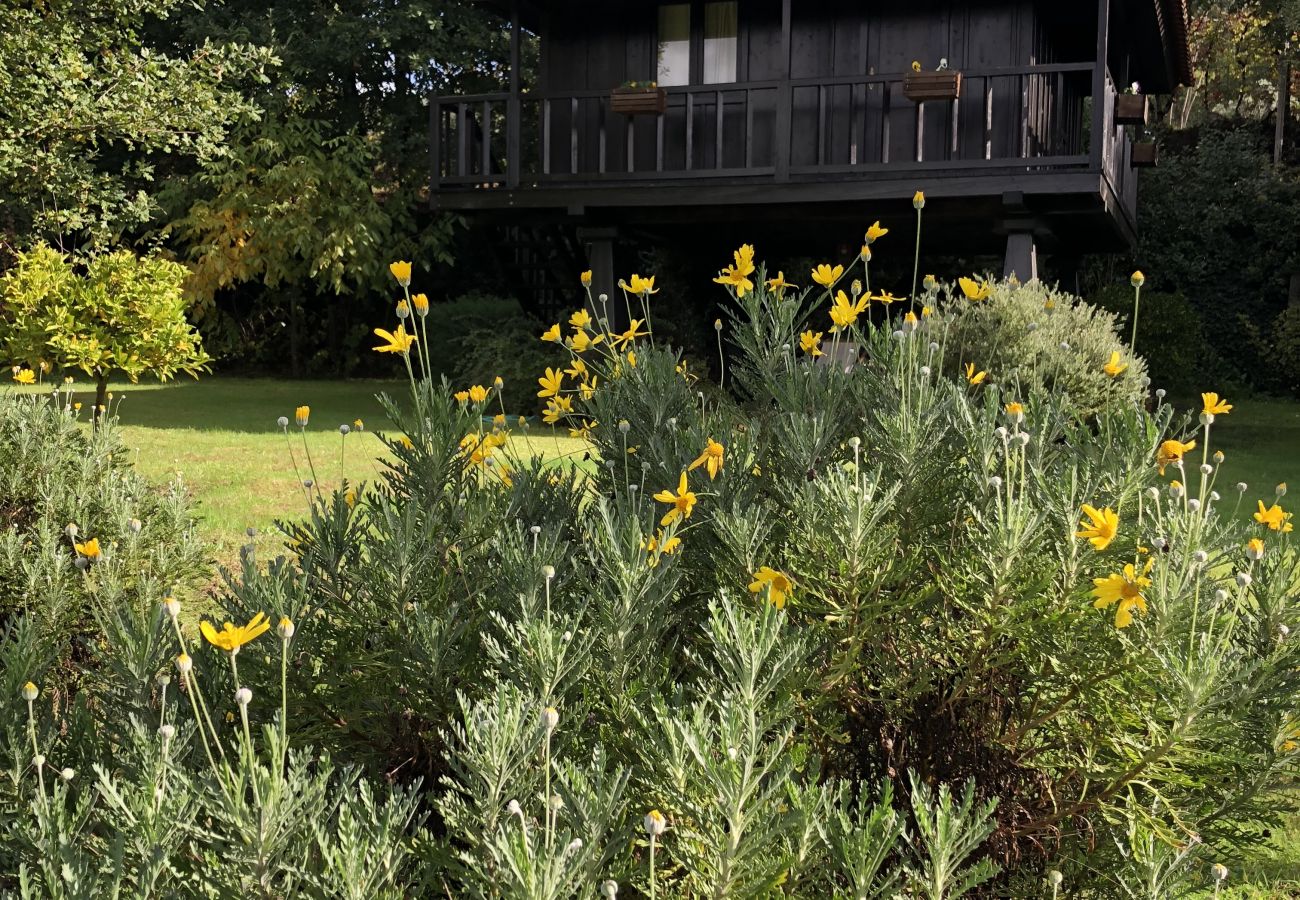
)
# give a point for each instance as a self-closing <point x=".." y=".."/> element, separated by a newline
<point x="1261" y="442"/>
<point x="220" y="436"/>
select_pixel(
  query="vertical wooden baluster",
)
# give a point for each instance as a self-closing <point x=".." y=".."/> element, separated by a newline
<point x="749" y="128"/>
<point x="783" y="134"/>
<point x="600" y="124"/>
<point x="859" y="139"/>
<point x="886" y="88"/>
<point x="462" y="139"/>
<point x="821" y="124"/>
<point x="1059" y="131"/>
<point x="717" y="129"/>
<point x="659" y="142"/>
<point x="988" y="117"/>
<point x="573" y="137"/>
<point x="546" y="137"/>
<point x="631" y="144"/>
<point x="690" y="131"/>
<point x="955" y="114"/>
<point x="1021" y="87"/>
<point x="920" y="132"/>
<point x="486" y="129"/>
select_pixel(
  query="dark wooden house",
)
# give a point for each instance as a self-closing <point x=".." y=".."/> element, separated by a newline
<point x="801" y="121"/>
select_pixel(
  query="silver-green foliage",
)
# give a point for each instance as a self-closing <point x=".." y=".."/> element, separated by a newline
<point x="1033" y="337"/>
<point x="948" y="832"/>
<point x="935" y="708"/>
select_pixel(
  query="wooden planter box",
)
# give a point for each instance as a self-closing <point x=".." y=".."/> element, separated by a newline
<point x="638" y="101"/>
<point x="1131" y="109"/>
<point x="922" y="87"/>
<point x="1145" y="155"/>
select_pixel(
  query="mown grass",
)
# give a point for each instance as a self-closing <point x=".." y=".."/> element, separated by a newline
<point x="1260" y="440"/>
<point x="219" y="435"/>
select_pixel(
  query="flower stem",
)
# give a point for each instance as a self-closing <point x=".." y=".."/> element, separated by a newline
<point x="1137" y="295"/>
<point x="284" y="701"/>
<point x="196" y="700"/>
<point x="36" y="750"/>
<point x="192" y="690"/>
<point x="296" y="472"/>
<point x="546" y="760"/>
<point x="722" y="361"/>
<point x="916" y="258"/>
<point x="652" y="867"/>
<point x="311" y="466"/>
<point x="248" y="737"/>
<point x="248" y="741"/>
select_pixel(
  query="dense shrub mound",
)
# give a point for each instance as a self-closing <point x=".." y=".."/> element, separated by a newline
<point x="878" y="626"/>
<point x="1034" y="335"/>
<point x="80" y="530"/>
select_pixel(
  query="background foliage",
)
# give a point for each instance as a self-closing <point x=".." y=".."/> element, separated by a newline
<point x="91" y="111"/>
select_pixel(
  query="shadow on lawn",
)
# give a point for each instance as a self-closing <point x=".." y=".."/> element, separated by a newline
<point x="248" y="404"/>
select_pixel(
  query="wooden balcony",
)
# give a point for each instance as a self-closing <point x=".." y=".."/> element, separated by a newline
<point x="1025" y="132"/>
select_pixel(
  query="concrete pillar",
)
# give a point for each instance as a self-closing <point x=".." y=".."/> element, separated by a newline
<point x="1022" y="257"/>
<point x="600" y="256"/>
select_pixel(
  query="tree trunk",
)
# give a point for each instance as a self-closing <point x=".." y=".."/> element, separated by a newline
<point x="295" y="333"/>
<point x="101" y="396"/>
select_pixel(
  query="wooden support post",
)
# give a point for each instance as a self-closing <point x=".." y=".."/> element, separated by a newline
<point x="1283" y="108"/>
<point x="1099" y="123"/>
<point x="513" y="111"/>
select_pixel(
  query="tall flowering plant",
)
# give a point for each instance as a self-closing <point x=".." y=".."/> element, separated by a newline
<point x="892" y="613"/>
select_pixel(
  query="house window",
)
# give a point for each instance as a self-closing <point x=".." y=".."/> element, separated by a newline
<point x="674" y="44"/>
<point x="721" y="32"/>
<point x="706" y="54"/>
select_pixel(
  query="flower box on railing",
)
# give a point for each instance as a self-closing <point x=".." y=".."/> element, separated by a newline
<point x="923" y="87"/>
<point x="1144" y="155"/>
<point x="1131" y="109"/>
<point x="636" y="101"/>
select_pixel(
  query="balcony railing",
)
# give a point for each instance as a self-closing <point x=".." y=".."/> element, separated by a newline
<point x="1019" y="119"/>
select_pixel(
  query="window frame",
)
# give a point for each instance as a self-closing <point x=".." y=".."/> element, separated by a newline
<point x="695" y="79"/>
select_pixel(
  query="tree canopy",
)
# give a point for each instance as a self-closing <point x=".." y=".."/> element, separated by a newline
<point x="125" y="314"/>
<point x="89" y="109"/>
<point x="329" y="183"/>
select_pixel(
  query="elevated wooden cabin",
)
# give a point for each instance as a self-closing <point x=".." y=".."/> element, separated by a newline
<point x="802" y="121"/>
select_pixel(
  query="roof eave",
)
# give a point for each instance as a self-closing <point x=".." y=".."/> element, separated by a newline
<point x="1172" y="17"/>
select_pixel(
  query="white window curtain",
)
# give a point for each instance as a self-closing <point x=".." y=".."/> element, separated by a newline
<point x="721" y="36"/>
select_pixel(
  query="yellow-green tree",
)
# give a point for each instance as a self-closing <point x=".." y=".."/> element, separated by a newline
<point x="120" y="314"/>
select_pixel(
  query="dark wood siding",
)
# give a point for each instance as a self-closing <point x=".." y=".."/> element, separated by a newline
<point x="589" y="47"/>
